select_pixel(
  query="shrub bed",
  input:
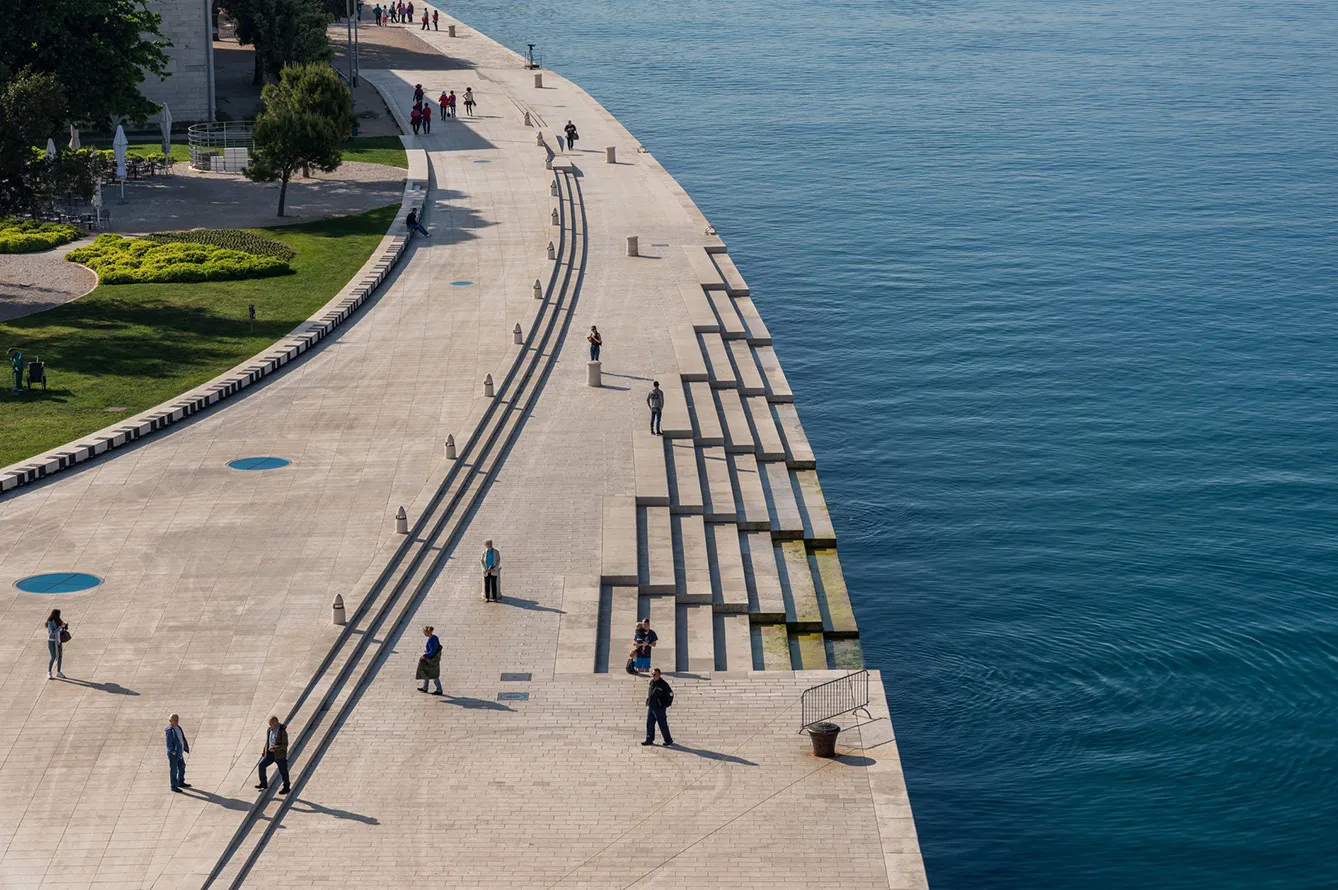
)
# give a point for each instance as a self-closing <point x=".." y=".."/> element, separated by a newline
<point x="22" y="236"/>
<point x="119" y="260"/>
<point x="232" y="239"/>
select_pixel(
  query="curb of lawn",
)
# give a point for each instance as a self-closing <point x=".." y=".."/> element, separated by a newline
<point x="306" y="335"/>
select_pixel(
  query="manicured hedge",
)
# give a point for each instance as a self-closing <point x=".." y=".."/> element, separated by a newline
<point x="119" y="260"/>
<point x="232" y="239"/>
<point x="22" y="236"/>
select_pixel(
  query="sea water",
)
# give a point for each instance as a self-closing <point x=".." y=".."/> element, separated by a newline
<point x="1056" y="286"/>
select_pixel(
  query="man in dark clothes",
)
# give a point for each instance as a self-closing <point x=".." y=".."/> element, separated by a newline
<point x="658" y="699"/>
<point x="276" y="752"/>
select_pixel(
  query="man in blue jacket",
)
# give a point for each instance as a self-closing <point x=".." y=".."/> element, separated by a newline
<point x="177" y="749"/>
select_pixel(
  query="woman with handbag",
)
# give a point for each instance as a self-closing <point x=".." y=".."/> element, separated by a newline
<point x="57" y="635"/>
<point x="429" y="663"/>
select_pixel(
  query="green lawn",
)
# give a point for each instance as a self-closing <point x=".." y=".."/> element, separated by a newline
<point x="132" y="346"/>
<point x="376" y="150"/>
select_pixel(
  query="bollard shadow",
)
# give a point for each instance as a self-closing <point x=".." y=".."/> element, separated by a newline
<point x="625" y="376"/>
<point x="111" y="688"/>
<point x="474" y="704"/>
<point x="227" y="803"/>
<point x="712" y="755"/>
<point x="854" y="760"/>
<point x="615" y="388"/>
<point x="528" y="605"/>
<point x="317" y="809"/>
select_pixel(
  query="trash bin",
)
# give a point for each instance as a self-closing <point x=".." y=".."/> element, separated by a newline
<point x="824" y="738"/>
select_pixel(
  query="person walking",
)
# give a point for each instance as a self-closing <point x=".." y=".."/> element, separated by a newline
<point x="450" y="104"/>
<point x="656" y="402"/>
<point x="415" y="120"/>
<point x="441" y="102"/>
<point x="595" y="341"/>
<point x="376" y="14"/>
<point x="492" y="564"/>
<point x="16" y="361"/>
<point x="418" y="94"/>
<point x="572" y="135"/>
<point x="434" y="21"/>
<point x="413" y="225"/>
<point x="646" y="639"/>
<point x="425" y="117"/>
<point x="429" y="663"/>
<point x="658" y="700"/>
<point x="177" y="749"/>
<point x="57" y="632"/>
<point x="276" y="752"/>
<point x="469" y="101"/>
<point x="425" y="21"/>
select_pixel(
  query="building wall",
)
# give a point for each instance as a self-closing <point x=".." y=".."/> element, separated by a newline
<point x="189" y="91"/>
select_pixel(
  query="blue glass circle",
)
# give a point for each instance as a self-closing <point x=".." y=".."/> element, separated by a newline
<point x="483" y="162"/>
<point x="258" y="463"/>
<point x="461" y="283"/>
<point x="58" y="582"/>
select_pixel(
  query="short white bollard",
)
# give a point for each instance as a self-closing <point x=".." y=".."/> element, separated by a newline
<point x="450" y="447"/>
<point x="487" y="387"/>
<point x="527" y="120"/>
<point x="593" y="375"/>
<point x="555" y="217"/>
<point x="548" y="162"/>
<point x="538" y="138"/>
<point x="517" y="336"/>
<point x="552" y="252"/>
<point x="552" y="188"/>
<point x="401" y="522"/>
<point x="538" y="290"/>
<point x="338" y="616"/>
<point x="611" y="155"/>
<point x="632" y="247"/>
<point x="538" y="81"/>
<point x="450" y="30"/>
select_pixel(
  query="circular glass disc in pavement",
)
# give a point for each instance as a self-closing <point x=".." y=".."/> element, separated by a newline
<point x="461" y="283"/>
<point x="258" y="463"/>
<point x="58" y="582"/>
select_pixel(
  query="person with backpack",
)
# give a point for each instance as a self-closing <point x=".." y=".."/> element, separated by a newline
<point x="659" y="698"/>
<point x="656" y="402"/>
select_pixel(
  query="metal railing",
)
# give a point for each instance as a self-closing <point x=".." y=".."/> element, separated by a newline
<point x="835" y="697"/>
<point x="221" y="146"/>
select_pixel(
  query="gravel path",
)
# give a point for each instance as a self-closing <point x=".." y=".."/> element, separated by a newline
<point x="33" y="282"/>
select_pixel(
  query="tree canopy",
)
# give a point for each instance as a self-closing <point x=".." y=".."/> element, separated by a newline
<point x="99" y="51"/>
<point x="307" y="116"/>
<point x="284" y="32"/>
<point x="32" y="110"/>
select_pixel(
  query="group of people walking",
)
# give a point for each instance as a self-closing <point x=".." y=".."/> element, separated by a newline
<point x="402" y="14"/>
<point x="420" y="118"/>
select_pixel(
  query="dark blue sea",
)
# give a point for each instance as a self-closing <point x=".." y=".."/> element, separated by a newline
<point x="1056" y="285"/>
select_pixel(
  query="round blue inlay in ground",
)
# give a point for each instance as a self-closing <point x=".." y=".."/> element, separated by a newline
<point x="58" y="582"/>
<point x="483" y="162"/>
<point x="258" y="463"/>
<point x="461" y="283"/>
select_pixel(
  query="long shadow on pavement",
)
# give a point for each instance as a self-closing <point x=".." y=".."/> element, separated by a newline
<point x="712" y="755"/>
<point x="474" y="704"/>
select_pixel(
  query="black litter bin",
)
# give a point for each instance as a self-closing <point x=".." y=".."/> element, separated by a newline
<point x="824" y="738"/>
<point x="36" y="374"/>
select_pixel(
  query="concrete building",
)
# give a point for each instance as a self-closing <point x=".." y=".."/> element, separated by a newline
<point x="189" y="91"/>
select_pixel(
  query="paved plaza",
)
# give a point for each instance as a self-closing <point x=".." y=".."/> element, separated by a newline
<point x="527" y="773"/>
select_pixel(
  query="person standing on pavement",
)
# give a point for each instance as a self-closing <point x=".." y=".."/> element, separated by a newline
<point x="55" y="644"/>
<point x="177" y="749"/>
<point x="492" y="564"/>
<point x="408" y="14"/>
<point x="658" y="699"/>
<point x="434" y="21"/>
<point x="429" y="663"/>
<point x="276" y="752"/>
<point x="469" y="101"/>
<point x="645" y="642"/>
<point x="656" y="402"/>
<point x="595" y="341"/>
<point x="572" y="135"/>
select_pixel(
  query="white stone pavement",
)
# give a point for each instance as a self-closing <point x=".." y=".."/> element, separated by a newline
<point x="218" y="586"/>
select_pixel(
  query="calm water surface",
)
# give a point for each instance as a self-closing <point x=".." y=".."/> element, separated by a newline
<point x="1056" y="285"/>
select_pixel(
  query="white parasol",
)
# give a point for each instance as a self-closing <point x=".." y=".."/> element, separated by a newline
<point x="97" y="200"/>
<point x="119" y="145"/>
<point x="167" y="130"/>
<point x="74" y="138"/>
<point x="51" y="149"/>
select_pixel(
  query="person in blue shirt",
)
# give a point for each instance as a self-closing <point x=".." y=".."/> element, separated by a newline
<point x="429" y="663"/>
<point x="492" y="564"/>
<point x="177" y="749"/>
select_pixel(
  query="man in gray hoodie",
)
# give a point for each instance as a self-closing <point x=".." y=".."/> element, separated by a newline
<point x="656" y="402"/>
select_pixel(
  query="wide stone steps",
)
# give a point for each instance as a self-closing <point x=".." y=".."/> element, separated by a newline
<point x="727" y="545"/>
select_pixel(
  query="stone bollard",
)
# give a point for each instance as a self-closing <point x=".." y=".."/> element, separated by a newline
<point x="555" y="217"/>
<point x="487" y="387"/>
<point x="401" y="522"/>
<point x="593" y="375"/>
<point x="338" y="617"/>
<point x="538" y="290"/>
<point x="632" y="248"/>
<point x="527" y="120"/>
<point x="539" y="139"/>
<point x="611" y="155"/>
<point x="517" y="336"/>
<point x="450" y="447"/>
<point x="548" y="163"/>
<point x="552" y="253"/>
<point x="552" y="188"/>
<point x="450" y="30"/>
<point x="538" y="81"/>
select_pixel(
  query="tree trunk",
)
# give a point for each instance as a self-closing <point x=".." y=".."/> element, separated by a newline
<point x="283" y="192"/>
<point x="258" y="80"/>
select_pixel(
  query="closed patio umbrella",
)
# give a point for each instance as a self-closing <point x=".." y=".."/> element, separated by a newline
<point x="119" y="145"/>
<point x="167" y="131"/>
<point x="51" y="149"/>
<point x="74" y="138"/>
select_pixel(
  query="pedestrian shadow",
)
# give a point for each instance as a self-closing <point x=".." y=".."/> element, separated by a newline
<point x="474" y="704"/>
<point x="317" y="809"/>
<point x="227" y="803"/>
<point x="112" y="688"/>
<point x="528" y="605"/>
<point x="712" y="755"/>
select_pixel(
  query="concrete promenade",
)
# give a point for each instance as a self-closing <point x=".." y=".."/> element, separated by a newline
<point x="218" y="583"/>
